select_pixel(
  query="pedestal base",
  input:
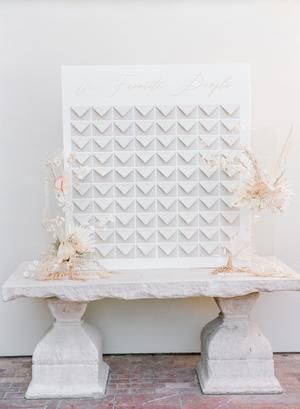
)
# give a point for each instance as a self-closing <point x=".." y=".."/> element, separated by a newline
<point x="67" y="363"/>
<point x="236" y="358"/>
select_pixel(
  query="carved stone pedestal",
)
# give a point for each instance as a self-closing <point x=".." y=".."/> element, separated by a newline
<point x="236" y="358"/>
<point x="68" y="360"/>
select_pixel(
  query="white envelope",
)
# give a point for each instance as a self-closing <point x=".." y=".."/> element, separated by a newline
<point x="208" y="110"/>
<point x="187" y="156"/>
<point x="165" y="110"/>
<point x="188" y="248"/>
<point x="209" y="247"/>
<point x="102" y="110"/>
<point x="231" y="172"/>
<point x="145" y="202"/>
<point x="209" y="201"/>
<point x="122" y="126"/>
<point x="208" y="140"/>
<point x="80" y="111"/>
<point x="230" y="217"/>
<point x="230" y="185"/>
<point x="123" y="141"/>
<point x="167" y="218"/>
<point x="103" y="203"/>
<point x="165" y="140"/>
<point x="188" y="218"/>
<point x="124" y="202"/>
<point x="104" y="249"/>
<point x="166" y="125"/>
<point x="125" y="234"/>
<point x="104" y="234"/>
<point x="209" y="185"/>
<point x="209" y="217"/>
<point x="166" y="156"/>
<point x="186" y="125"/>
<point x="103" y="157"/>
<point x="144" y="110"/>
<point x="187" y="140"/>
<point x="145" y="172"/>
<point x="188" y="187"/>
<point x="124" y="157"/>
<point x="144" y="125"/>
<point x="187" y="172"/>
<point x="124" y="188"/>
<point x="82" y="204"/>
<point x="82" y="173"/>
<point x="231" y="126"/>
<point x="122" y="110"/>
<point x="145" y="140"/>
<point x="81" y="141"/>
<point x="209" y="232"/>
<point x="208" y="125"/>
<point x="230" y="109"/>
<point x="103" y="188"/>
<point x="168" y="248"/>
<point x="230" y="140"/>
<point x="102" y="141"/>
<point x="145" y="188"/>
<point x="145" y="234"/>
<point x="83" y="219"/>
<point x="208" y="171"/>
<point x="102" y="126"/>
<point x="227" y="201"/>
<point x="82" y="157"/>
<point x="125" y="219"/>
<point x="82" y="188"/>
<point x="187" y="109"/>
<point x="80" y="126"/>
<point x="145" y="157"/>
<point x="188" y="202"/>
<point x="167" y="202"/>
<point x="230" y="231"/>
<point x="125" y="249"/>
<point x="146" y="219"/>
<point x="103" y="171"/>
<point x="188" y="232"/>
<point x="166" y="171"/>
<point x="145" y="248"/>
<point x="124" y="172"/>
<point x="167" y="233"/>
<point x="166" y="187"/>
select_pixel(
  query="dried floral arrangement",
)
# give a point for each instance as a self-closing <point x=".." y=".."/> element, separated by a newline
<point x="71" y="254"/>
<point x="259" y="190"/>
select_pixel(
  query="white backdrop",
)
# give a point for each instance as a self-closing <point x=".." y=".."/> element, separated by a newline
<point x="37" y="37"/>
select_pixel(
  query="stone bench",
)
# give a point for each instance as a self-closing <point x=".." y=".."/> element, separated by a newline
<point x="236" y="358"/>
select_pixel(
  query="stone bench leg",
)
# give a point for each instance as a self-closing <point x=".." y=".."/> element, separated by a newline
<point x="67" y="363"/>
<point x="236" y="358"/>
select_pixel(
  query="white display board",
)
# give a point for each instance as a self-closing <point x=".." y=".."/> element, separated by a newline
<point x="147" y="138"/>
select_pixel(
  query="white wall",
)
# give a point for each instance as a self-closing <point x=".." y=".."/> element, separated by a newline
<point x="37" y="37"/>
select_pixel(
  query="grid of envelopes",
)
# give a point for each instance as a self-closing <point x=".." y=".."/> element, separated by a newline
<point x="150" y="172"/>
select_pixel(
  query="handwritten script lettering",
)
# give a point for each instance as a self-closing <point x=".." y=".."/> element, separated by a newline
<point x="198" y="81"/>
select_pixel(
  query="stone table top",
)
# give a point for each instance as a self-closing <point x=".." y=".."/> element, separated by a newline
<point x="150" y="283"/>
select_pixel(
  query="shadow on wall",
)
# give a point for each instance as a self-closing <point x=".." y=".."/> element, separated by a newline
<point x="136" y="322"/>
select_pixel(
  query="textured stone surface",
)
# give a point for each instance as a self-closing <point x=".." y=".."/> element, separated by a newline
<point x="67" y="362"/>
<point x="136" y="284"/>
<point x="154" y="382"/>
<point x="236" y="357"/>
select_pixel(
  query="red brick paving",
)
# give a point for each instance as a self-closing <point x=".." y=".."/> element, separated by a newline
<point x="151" y="382"/>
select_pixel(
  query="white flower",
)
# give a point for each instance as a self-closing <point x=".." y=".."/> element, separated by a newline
<point x="82" y="239"/>
<point x="65" y="251"/>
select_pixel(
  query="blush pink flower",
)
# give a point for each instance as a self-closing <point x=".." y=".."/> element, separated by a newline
<point x="60" y="184"/>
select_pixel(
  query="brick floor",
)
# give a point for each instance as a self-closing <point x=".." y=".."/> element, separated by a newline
<point x="151" y="382"/>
